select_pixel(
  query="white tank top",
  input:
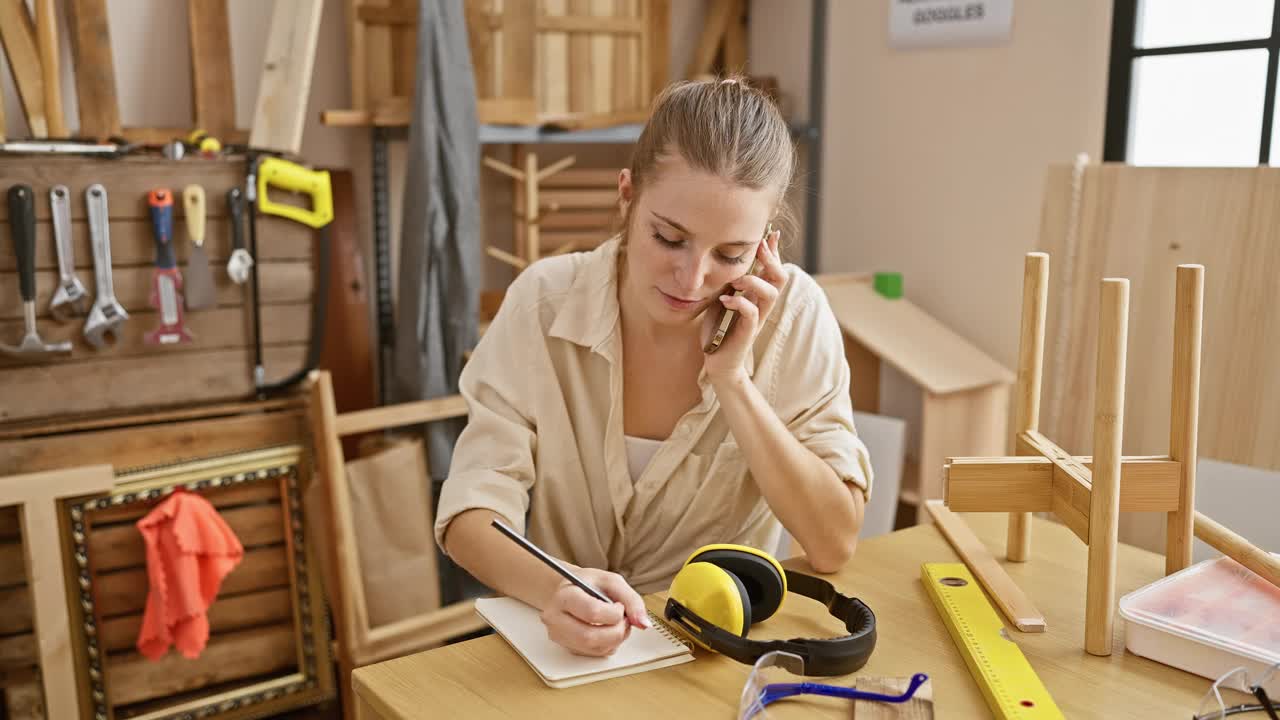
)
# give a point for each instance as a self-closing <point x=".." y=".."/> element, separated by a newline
<point x="639" y="452"/>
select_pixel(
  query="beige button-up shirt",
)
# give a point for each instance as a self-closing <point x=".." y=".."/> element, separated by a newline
<point x="544" y="445"/>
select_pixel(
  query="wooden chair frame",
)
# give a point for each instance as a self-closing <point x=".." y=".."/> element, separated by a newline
<point x="359" y="643"/>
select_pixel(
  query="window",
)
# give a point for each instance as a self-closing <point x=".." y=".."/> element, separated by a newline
<point x="1193" y="82"/>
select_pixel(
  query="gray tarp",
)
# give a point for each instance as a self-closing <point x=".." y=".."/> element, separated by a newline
<point x="439" y="281"/>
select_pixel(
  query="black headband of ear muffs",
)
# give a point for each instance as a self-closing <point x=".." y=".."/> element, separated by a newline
<point x="822" y="656"/>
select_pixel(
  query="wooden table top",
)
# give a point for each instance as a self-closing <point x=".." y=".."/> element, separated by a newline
<point x="485" y="678"/>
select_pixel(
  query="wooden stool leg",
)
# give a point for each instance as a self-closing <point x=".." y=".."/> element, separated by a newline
<point x="1108" y="430"/>
<point x="1035" y="301"/>
<point x="1185" y="411"/>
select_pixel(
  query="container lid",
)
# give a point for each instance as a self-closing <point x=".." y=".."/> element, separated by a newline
<point x="1217" y="602"/>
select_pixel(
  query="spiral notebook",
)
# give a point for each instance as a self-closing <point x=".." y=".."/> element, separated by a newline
<point x="522" y="628"/>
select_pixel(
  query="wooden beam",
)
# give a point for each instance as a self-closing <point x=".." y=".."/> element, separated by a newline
<point x="1184" y="411"/>
<point x="212" y="80"/>
<point x="719" y="14"/>
<point x="1016" y="484"/>
<point x="19" y="37"/>
<point x="400" y="15"/>
<point x="590" y="24"/>
<point x="95" y="69"/>
<point x="1035" y="302"/>
<point x="281" y="110"/>
<point x="38" y="494"/>
<point x="1237" y="548"/>
<point x="50" y="66"/>
<point x="1008" y="596"/>
<point x="1108" y="432"/>
<point x="400" y="415"/>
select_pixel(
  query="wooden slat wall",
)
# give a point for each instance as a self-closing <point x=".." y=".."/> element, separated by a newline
<point x="130" y="374"/>
<point x="587" y="208"/>
<point x="251" y="623"/>
<point x="255" y="597"/>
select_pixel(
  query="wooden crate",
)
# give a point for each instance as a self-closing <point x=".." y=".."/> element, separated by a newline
<point x="267" y="625"/>
<point x="566" y="63"/>
<point x="132" y="375"/>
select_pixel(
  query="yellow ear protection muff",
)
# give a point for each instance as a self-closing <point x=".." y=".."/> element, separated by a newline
<point x="722" y="590"/>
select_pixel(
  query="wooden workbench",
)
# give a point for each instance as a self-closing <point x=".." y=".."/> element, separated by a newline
<point x="485" y="678"/>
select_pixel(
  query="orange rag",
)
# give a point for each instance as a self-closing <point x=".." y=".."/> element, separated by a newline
<point x="190" y="549"/>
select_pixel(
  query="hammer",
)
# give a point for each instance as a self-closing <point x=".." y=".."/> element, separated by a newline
<point x="22" y="227"/>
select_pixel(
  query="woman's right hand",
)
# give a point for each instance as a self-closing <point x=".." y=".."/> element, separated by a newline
<point x="586" y="626"/>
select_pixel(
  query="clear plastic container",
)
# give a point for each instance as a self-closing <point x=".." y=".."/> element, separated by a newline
<point x="1207" y="619"/>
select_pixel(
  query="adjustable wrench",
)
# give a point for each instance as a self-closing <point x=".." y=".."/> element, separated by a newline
<point x="70" y="298"/>
<point x="106" y="316"/>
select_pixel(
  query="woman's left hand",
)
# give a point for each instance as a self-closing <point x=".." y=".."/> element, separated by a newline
<point x="759" y="292"/>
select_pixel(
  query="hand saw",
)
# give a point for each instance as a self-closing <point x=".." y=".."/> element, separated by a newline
<point x="269" y="172"/>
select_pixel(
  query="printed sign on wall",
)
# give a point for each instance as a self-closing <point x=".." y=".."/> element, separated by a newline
<point x="949" y="23"/>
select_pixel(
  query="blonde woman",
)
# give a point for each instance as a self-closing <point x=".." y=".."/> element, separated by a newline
<point x="602" y="428"/>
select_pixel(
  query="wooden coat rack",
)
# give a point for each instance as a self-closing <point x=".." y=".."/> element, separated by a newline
<point x="529" y="213"/>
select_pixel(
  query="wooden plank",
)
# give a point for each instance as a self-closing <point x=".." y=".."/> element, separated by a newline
<point x="575" y="199"/>
<point x="580" y="59"/>
<point x="162" y="135"/>
<point x="657" y="72"/>
<point x="133" y="678"/>
<point x="579" y="177"/>
<point x="125" y="592"/>
<point x="94" y="69"/>
<point x="915" y="343"/>
<point x="18" y="651"/>
<point x="582" y="22"/>
<point x="50" y="66"/>
<point x="19" y="36"/>
<point x="162" y="443"/>
<point x="113" y="385"/>
<point x="603" y="77"/>
<point x="387" y="15"/>
<point x="212" y="80"/>
<point x="228" y="614"/>
<point x="400" y="415"/>
<point x="950" y="423"/>
<point x="16" y="617"/>
<point x="1016" y="484"/>
<point x="1014" y="603"/>
<point x="120" y="546"/>
<point x="281" y="110"/>
<point x="39" y="493"/>
<point x="9" y="529"/>
<point x="216" y="329"/>
<point x="719" y="14"/>
<point x="127" y="181"/>
<point x="24" y="701"/>
<point x="378" y="77"/>
<point x="519" y="52"/>
<point x="282" y="282"/>
<point x="13" y="568"/>
<point x="1140" y="223"/>
<point x="356" y="59"/>
<point x="864" y="381"/>
<point x="599" y="222"/>
<point x="480" y="39"/>
<point x="624" y="69"/>
<point x="735" y="40"/>
<point x="404" y="48"/>
<point x="132" y="243"/>
<point x="1184" y="414"/>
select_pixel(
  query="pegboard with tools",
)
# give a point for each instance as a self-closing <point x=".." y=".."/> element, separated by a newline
<point x="166" y="341"/>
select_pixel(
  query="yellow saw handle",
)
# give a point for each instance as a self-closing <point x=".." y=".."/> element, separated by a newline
<point x="282" y="174"/>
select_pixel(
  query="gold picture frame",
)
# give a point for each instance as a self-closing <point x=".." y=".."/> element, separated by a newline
<point x="259" y="489"/>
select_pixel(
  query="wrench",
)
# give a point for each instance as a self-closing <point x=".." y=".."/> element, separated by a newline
<point x="107" y="316"/>
<point x="70" y="298"/>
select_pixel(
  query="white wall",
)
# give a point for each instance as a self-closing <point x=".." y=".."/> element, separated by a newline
<point x="935" y="159"/>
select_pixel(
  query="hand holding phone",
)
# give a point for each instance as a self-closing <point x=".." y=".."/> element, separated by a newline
<point x="727" y="317"/>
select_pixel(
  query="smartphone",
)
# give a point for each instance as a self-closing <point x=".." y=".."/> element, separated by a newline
<point x="728" y="317"/>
